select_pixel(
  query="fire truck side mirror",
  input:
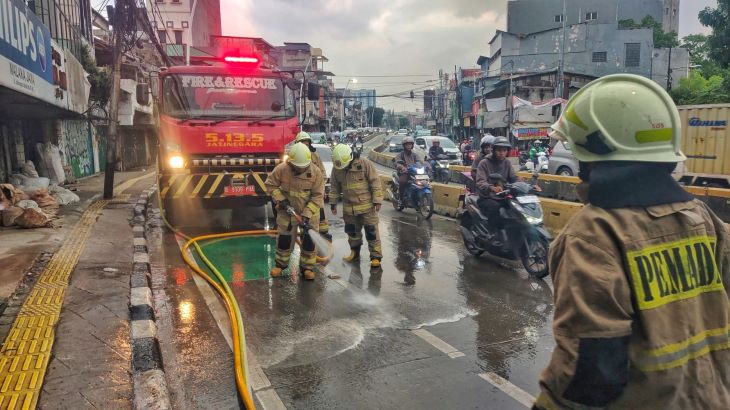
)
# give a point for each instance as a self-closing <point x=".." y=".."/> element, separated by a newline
<point x="154" y="84"/>
<point x="292" y="84"/>
<point x="312" y="91"/>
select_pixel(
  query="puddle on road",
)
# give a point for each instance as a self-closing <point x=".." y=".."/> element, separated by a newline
<point x="241" y="258"/>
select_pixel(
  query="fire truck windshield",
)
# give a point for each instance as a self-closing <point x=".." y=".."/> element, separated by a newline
<point x="187" y="96"/>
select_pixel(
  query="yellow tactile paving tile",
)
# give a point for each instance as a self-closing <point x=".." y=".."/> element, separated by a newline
<point x="26" y="351"/>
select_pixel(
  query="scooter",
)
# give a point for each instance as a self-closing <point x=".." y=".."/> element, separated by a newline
<point x="440" y="169"/>
<point x="418" y="193"/>
<point x="521" y="234"/>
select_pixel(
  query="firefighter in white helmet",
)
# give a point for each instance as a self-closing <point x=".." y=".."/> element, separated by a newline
<point x="356" y="181"/>
<point x="298" y="184"/>
<point x="642" y="272"/>
<point x="306" y="139"/>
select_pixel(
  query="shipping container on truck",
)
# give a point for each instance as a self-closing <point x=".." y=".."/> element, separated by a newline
<point x="706" y="143"/>
<point x="223" y="127"/>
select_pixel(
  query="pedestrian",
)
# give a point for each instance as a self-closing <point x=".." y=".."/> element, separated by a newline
<point x="306" y="139"/>
<point x="356" y="181"/>
<point x="641" y="273"/>
<point x="296" y="183"/>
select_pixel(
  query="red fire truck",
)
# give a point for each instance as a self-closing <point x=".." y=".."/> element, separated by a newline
<point x="223" y="127"/>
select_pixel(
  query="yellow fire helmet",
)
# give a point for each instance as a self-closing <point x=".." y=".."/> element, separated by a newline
<point x="341" y="156"/>
<point x="621" y="117"/>
<point x="300" y="155"/>
<point x="303" y="136"/>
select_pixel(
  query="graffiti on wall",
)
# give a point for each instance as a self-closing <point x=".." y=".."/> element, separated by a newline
<point x="77" y="147"/>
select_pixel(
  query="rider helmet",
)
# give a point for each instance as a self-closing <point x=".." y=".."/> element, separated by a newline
<point x="487" y="140"/>
<point x="501" y="142"/>
<point x="407" y="140"/>
<point x="341" y="156"/>
<point x="299" y="155"/>
<point x="621" y="117"/>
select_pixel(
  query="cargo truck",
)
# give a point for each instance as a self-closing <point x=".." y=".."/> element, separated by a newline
<point x="706" y="143"/>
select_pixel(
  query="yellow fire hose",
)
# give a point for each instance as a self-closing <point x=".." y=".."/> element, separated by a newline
<point x="224" y="291"/>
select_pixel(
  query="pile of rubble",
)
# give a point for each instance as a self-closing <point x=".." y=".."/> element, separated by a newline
<point x="31" y="200"/>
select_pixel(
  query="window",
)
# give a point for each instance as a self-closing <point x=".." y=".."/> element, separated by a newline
<point x="185" y="24"/>
<point x="162" y="35"/>
<point x="175" y="1"/>
<point x="170" y="24"/>
<point x="558" y="18"/>
<point x="178" y="37"/>
<point x="592" y="16"/>
<point x="633" y="55"/>
<point x="600" y="57"/>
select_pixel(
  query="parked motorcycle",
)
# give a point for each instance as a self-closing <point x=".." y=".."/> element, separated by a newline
<point x="521" y="234"/>
<point x="418" y="193"/>
<point x="440" y="169"/>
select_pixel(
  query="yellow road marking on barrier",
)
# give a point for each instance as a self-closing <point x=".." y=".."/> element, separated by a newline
<point x="26" y="350"/>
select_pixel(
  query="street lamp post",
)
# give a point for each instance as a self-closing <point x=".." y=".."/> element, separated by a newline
<point x="354" y="81"/>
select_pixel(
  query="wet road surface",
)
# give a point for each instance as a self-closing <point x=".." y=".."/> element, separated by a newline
<point x="418" y="334"/>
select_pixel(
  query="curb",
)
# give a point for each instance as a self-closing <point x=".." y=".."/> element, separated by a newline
<point x="150" y="386"/>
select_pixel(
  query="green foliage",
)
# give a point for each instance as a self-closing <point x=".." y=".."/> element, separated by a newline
<point x="718" y="42"/>
<point x="376" y="116"/>
<point x="403" y="122"/>
<point x="101" y="82"/>
<point x="661" y="38"/>
<point x="700" y="90"/>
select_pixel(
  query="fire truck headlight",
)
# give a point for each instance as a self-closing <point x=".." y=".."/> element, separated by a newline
<point x="176" y="162"/>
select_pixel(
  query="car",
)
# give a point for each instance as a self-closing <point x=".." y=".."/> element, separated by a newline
<point x="423" y="133"/>
<point x="325" y="154"/>
<point x="402" y="131"/>
<point x="562" y="161"/>
<point x="448" y="145"/>
<point x="395" y="143"/>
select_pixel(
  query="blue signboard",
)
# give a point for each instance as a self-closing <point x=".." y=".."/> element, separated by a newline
<point x="26" y="42"/>
<point x="467" y="97"/>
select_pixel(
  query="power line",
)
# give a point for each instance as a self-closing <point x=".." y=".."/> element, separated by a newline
<point x="386" y="76"/>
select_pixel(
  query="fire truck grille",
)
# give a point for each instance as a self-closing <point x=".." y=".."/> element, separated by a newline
<point x="228" y="164"/>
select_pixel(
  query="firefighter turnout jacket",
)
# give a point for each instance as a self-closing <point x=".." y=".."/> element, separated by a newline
<point x="304" y="190"/>
<point x="642" y="311"/>
<point x="358" y="185"/>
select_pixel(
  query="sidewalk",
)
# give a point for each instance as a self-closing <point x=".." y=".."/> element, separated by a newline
<point x="89" y="364"/>
<point x="20" y="248"/>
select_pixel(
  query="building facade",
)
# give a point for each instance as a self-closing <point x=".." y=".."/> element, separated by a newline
<point x="530" y="16"/>
<point x="184" y="22"/>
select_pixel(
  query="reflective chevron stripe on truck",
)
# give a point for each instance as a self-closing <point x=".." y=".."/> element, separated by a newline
<point x="210" y="185"/>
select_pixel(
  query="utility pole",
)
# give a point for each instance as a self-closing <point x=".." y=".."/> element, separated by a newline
<point x="118" y="21"/>
<point x="561" y="67"/>
<point x="669" y="71"/>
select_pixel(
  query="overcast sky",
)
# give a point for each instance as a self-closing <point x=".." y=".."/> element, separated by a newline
<point x="389" y="37"/>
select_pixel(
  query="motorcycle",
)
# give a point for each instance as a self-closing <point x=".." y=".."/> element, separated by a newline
<point x="521" y="234"/>
<point x="440" y="169"/>
<point x="542" y="164"/>
<point x="418" y="193"/>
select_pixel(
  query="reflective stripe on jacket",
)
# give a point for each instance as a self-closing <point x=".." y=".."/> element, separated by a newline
<point x="358" y="185"/>
<point x="304" y="191"/>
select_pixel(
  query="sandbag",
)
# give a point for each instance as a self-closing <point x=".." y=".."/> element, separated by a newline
<point x="25" y="204"/>
<point x="31" y="185"/>
<point x="51" y="163"/>
<point x="28" y="169"/>
<point x="63" y="195"/>
<point x="32" y="218"/>
<point x="10" y="215"/>
<point x="12" y="193"/>
<point x="46" y="202"/>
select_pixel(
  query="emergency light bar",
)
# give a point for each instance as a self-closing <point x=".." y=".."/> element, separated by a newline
<point x="234" y="59"/>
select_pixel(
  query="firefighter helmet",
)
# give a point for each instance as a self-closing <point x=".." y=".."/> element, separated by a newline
<point x="621" y="117"/>
<point x="341" y="156"/>
<point x="300" y="155"/>
<point x="303" y="136"/>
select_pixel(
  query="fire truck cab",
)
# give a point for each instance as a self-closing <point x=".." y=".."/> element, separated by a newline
<point x="222" y="128"/>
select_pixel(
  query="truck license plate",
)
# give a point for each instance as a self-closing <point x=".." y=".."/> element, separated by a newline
<point x="239" y="190"/>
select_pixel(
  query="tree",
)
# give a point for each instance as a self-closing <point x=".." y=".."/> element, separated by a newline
<point x="99" y="78"/>
<point x="719" y="41"/>
<point x="403" y="122"/>
<point x="376" y="116"/>
<point x="700" y="90"/>
<point x="662" y="39"/>
<point x="699" y="53"/>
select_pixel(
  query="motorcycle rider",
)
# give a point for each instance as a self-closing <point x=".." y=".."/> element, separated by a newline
<point x="494" y="163"/>
<point x="299" y="184"/>
<point x="435" y="150"/>
<point x="306" y="139"/>
<point x="536" y="149"/>
<point x="485" y="148"/>
<point x="403" y="160"/>
<point x="642" y="272"/>
<point x="356" y="181"/>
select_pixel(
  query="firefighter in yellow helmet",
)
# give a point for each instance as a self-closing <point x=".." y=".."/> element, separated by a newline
<point x="296" y="183"/>
<point x="642" y="272"/>
<point x="306" y="139"/>
<point x="356" y="181"/>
